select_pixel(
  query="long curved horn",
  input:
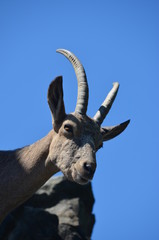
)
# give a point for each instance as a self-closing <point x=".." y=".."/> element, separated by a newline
<point x="106" y="105"/>
<point x="82" y="99"/>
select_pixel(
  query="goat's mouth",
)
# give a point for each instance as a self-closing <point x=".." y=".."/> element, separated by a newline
<point x="80" y="178"/>
<point x="74" y="175"/>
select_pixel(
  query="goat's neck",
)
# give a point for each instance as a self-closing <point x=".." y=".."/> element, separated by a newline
<point x="23" y="171"/>
<point x="35" y="158"/>
<point x="35" y="163"/>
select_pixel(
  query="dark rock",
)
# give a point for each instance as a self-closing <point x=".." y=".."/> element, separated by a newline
<point x="59" y="210"/>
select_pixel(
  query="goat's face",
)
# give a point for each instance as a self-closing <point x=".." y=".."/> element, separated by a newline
<point x="74" y="147"/>
<point x="76" y="136"/>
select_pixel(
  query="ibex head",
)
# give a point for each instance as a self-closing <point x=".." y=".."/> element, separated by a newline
<point x="78" y="137"/>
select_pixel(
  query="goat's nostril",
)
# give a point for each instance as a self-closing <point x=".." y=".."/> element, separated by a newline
<point x="88" y="168"/>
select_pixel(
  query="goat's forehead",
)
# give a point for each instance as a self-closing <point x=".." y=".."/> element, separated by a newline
<point x="86" y="124"/>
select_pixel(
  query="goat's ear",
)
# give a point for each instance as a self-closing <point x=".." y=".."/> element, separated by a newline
<point x="56" y="103"/>
<point x="111" y="132"/>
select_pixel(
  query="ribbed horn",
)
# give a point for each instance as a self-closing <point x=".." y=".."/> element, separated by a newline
<point x="82" y="99"/>
<point x="106" y="105"/>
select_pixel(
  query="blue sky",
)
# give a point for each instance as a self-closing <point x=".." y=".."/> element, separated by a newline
<point x="115" y="41"/>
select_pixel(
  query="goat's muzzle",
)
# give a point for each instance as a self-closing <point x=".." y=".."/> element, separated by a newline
<point x="84" y="171"/>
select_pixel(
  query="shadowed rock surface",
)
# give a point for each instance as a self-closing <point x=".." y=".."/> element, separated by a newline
<point x="58" y="210"/>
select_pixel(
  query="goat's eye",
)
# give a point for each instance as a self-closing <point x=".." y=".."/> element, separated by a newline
<point x="68" y="128"/>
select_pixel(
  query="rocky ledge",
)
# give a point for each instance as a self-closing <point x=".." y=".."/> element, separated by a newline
<point x="59" y="210"/>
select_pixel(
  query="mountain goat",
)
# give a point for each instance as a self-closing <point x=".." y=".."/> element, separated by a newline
<point x="69" y="147"/>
